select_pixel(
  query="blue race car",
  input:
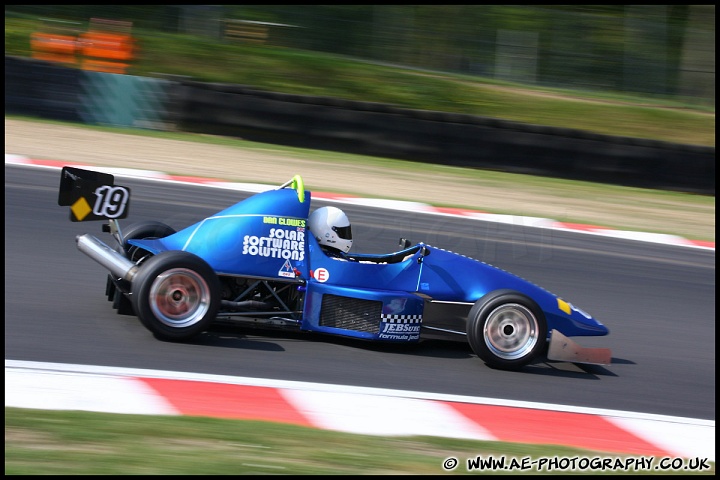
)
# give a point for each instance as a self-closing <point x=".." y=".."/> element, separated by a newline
<point x="268" y="261"/>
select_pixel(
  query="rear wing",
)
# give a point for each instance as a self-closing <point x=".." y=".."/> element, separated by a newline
<point x="92" y="195"/>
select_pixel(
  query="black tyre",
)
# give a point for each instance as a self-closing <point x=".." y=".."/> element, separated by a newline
<point x="507" y="330"/>
<point x="176" y="295"/>
<point x="143" y="231"/>
<point x="140" y="230"/>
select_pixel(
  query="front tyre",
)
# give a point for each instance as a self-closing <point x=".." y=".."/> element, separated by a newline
<point x="176" y="295"/>
<point x="507" y="330"/>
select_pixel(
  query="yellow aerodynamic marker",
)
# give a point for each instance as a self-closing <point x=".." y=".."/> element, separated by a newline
<point x="564" y="306"/>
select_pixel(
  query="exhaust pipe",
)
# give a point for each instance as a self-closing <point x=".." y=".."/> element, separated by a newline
<point x="118" y="265"/>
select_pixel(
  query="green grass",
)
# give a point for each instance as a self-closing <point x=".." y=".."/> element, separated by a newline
<point x="288" y="70"/>
<point x="43" y="442"/>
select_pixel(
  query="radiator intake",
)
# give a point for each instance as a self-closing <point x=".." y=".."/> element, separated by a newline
<point x="351" y="313"/>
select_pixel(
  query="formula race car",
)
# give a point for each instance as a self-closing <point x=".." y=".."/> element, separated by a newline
<point x="268" y="261"/>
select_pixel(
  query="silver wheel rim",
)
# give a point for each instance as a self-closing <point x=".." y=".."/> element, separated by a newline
<point x="511" y="331"/>
<point x="179" y="298"/>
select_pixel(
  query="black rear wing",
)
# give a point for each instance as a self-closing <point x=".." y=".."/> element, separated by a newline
<point x="92" y="195"/>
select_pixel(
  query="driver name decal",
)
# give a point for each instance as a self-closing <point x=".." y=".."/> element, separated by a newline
<point x="284" y="243"/>
<point x="292" y="222"/>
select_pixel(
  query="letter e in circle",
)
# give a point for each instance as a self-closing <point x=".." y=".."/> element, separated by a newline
<point x="322" y="275"/>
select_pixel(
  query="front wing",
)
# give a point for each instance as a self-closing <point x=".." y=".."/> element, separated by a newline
<point x="563" y="349"/>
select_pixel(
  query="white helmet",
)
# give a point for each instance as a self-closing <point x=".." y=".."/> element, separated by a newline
<point x="331" y="228"/>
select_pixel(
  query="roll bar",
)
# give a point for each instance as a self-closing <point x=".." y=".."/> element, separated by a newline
<point x="298" y="185"/>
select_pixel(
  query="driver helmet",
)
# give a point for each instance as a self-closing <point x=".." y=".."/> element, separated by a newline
<point x="331" y="228"/>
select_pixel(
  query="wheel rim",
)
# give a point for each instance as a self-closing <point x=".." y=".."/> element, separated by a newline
<point x="511" y="331"/>
<point x="179" y="298"/>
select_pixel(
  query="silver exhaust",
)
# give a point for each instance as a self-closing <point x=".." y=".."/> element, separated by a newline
<point x="118" y="265"/>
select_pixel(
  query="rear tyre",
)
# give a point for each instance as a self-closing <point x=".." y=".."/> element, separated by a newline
<point x="176" y="295"/>
<point x="143" y="231"/>
<point x="137" y="231"/>
<point x="507" y="330"/>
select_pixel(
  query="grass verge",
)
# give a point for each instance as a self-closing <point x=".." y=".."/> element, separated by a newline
<point x="45" y="442"/>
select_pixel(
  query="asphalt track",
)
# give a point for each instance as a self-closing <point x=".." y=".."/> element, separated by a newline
<point x="658" y="301"/>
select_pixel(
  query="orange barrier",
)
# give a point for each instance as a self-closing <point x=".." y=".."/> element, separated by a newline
<point x="106" y="51"/>
<point x="107" y="46"/>
<point x="54" y="47"/>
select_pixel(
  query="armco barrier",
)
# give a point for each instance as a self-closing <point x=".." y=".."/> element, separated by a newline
<point x="50" y="91"/>
<point x="445" y="138"/>
<point x="42" y="89"/>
